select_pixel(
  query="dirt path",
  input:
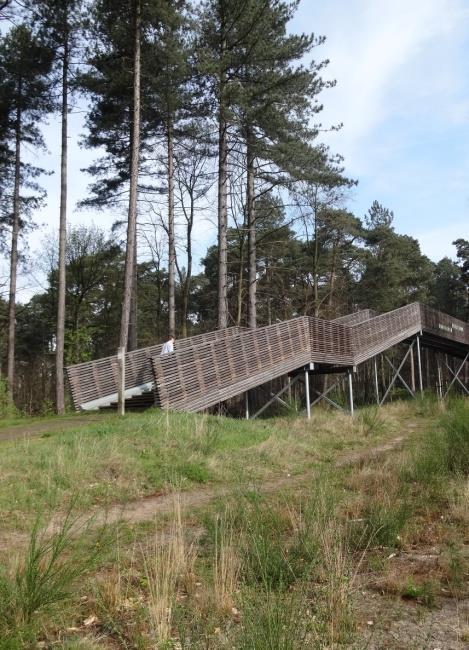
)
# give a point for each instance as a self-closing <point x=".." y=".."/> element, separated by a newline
<point x="148" y="507"/>
<point x="394" y="624"/>
<point x="21" y="431"/>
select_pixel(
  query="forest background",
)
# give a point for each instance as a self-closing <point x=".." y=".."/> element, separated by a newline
<point x="196" y="114"/>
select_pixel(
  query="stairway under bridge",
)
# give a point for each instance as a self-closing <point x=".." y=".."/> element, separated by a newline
<point x="210" y="368"/>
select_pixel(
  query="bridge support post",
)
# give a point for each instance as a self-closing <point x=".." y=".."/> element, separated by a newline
<point x="439" y="388"/>
<point x="375" y="371"/>
<point x="350" y="391"/>
<point x="412" y="369"/>
<point x="121" y="381"/>
<point x="246" y="405"/>
<point x="419" y="363"/>
<point x="308" y="401"/>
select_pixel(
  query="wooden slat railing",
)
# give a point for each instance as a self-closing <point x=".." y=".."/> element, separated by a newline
<point x="439" y="324"/>
<point x="96" y="380"/>
<point x="382" y="332"/>
<point x="209" y="368"/>
<point x="201" y="376"/>
<point x="331" y="342"/>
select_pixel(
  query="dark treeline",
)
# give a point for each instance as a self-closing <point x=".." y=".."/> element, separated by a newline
<point x="200" y="111"/>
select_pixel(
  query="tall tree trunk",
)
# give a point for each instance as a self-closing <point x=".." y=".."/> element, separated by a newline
<point x="60" y="339"/>
<point x="14" y="259"/>
<point x="171" y="244"/>
<point x="132" y="215"/>
<point x="268" y="277"/>
<point x="315" y="267"/>
<point x="132" y="341"/>
<point x="332" y="279"/>
<point x="187" y="282"/>
<point x="222" y="225"/>
<point x="252" y="254"/>
<point x="239" y="310"/>
<point x="222" y="193"/>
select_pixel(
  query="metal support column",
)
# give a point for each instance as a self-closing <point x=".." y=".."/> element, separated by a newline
<point x="419" y="362"/>
<point x="350" y="391"/>
<point x="439" y="388"/>
<point x="246" y="404"/>
<point x="375" y="369"/>
<point x="412" y="369"/>
<point x="308" y="402"/>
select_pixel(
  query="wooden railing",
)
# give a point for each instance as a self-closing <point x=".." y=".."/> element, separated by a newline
<point x="382" y="332"/>
<point x="213" y="367"/>
<point x="440" y="324"/>
<point x="357" y="317"/>
<point x="206" y="374"/>
<point x="97" y="380"/>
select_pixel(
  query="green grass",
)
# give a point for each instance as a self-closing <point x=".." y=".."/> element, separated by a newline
<point x="259" y="569"/>
<point x="17" y="419"/>
<point x="443" y="452"/>
<point x="120" y="459"/>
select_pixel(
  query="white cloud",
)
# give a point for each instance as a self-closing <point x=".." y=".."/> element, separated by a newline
<point x="386" y="57"/>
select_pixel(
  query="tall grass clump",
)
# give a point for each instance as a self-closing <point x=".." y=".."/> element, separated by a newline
<point x="274" y="621"/>
<point x="44" y="577"/>
<point x="226" y="564"/>
<point x="427" y="404"/>
<point x="371" y="421"/>
<point x="455" y="431"/>
<point x="297" y="574"/>
<point x="169" y="568"/>
<point x="444" y="451"/>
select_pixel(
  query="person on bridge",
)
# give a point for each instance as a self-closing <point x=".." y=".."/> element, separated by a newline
<point x="168" y="347"/>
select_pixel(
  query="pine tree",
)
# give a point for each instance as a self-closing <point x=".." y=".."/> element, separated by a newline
<point x="131" y="242"/>
<point x="117" y="122"/>
<point x="225" y="28"/>
<point x="164" y="106"/>
<point x="276" y="103"/>
<point x="462" y="253"/>
<point x="172" y="104"/>
<point x="449" y="292"/>
<point x="25" y="64"/>
<point x="394" y="271"/>
<point x="61" y="21"/>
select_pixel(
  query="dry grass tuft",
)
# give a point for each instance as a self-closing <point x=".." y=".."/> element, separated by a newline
<point x="169" y="569"/>
<point x="226" y="565"/>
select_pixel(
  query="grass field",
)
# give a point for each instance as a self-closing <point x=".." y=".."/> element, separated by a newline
<point x="189" y="531"/>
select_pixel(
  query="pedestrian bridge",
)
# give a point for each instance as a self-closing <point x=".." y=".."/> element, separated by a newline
<point x="210" y="368"/>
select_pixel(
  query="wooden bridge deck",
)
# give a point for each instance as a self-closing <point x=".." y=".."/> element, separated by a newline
<point x="209" y="368"/>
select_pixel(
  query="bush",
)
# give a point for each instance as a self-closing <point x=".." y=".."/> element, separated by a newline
<point x="7" y="408"/>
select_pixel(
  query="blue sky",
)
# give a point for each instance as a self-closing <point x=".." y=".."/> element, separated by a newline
<point x="402" y="93"/>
